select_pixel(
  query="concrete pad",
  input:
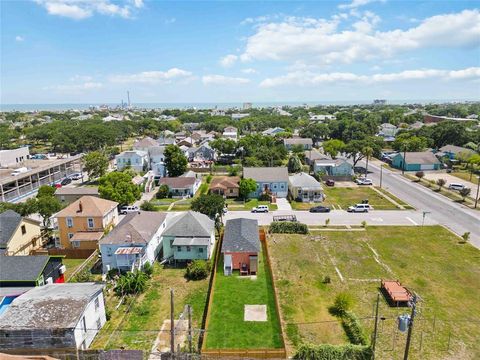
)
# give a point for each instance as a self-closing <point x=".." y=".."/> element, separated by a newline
<point x="255" y="313"/>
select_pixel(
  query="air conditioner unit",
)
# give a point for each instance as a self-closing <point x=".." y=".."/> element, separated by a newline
<point x="49" y="281"/>
<point x="62" y="269"/>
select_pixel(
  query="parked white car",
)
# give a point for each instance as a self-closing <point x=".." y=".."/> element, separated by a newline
<point x="456" y="186"/>
<point x="128" y="209"/>
<point x="359" y="208"/>
<point x="260" y="209"/>
<point x="363" y="181"/>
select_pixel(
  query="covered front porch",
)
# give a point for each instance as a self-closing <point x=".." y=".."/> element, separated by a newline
<point x="130" y="258"/>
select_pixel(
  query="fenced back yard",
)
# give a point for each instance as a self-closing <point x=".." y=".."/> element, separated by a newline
<point x="428" y="260"/>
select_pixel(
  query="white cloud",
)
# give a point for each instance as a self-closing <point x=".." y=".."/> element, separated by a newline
<point x="223" y="80"/>
<point x="152" y="77"/>
<point x="228" y="60"/>
<point x="319" y="41"/>
<point x="357" y="3"/>
<point x="19" y="38"/>
<point x="307" y="78"/>
<point x="84" y="78"/>
<point x="76" y="87"/>
<point x="249" y="71"/>
<point x="82" y="9"/>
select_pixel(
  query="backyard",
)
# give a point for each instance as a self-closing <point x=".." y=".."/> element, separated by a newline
<point x="135" y="324"/>
<point x="226" y="327"/>
<point x="425" y="259"/>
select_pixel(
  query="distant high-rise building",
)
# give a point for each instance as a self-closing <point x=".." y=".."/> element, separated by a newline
<point x="379" y="102"/>
<point x="247" y="106"/>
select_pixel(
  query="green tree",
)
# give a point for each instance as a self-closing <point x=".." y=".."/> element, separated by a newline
<point x="175" y="162"/>
<point x="333" y="147"/>
<point x="211" y="205"/>
<point x="246" y="186"/>
<point x="45" y="190"/>
<point x="367" y="151"/>
<point x="419" y="175"/>
<point x="464" y="193"/>
<point x="118" y="186"/>
<point x="95" y="163"/>
<point x="162" y="192"/>
<point x="147" y="206"/>
<point x="46" y="207"/>
<point x="441" y="183"/>
<point x="294" y="164"/>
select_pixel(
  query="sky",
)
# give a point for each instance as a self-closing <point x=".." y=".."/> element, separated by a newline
<point x="84" y="51"/>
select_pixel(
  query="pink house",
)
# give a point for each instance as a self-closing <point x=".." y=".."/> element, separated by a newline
<point x="241" y="246"/>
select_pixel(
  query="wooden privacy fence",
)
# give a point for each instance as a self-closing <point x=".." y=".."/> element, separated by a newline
<point x="280" y="353"/>
<point x="72" y="253"/>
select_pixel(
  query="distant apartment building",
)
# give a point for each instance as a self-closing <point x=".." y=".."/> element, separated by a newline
<point x="14" y="157"/>
<point x="247" y="106"/>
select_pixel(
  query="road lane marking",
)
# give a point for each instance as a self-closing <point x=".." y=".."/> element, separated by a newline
<point x="409" y="219"/>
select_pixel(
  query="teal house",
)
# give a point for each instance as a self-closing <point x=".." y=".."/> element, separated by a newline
<point x="416" y="161"/>
<point x="333" y="167"/>
<point x="188" y="236"/>
<point x="273" y="180"/>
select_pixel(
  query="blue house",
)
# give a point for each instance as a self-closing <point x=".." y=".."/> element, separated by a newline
<point x="273" y="180"/>
<point x="451" y="151"/>
<point x="333" y="167"/>
<point x="416" y="161"/>
<point x="188" y="236"/>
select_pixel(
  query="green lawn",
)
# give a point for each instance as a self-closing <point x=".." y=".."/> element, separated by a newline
<point x="227" y="328"/>
<point x="135" y="324"/>
<point x="340" y="197"/>
<point x="71" y="265"/>
<point x="465" y="176"/>
<point x="428" y="260"/>
<point x="394" y="198"/>
<point x="239" y="205"/>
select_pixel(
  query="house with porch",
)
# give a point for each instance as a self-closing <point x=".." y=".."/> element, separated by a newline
<point x="416" y="161"/>
<point x="18" y="235"/>
<point x="188" y="236"/>
<point x="305" y="188"/>
<point x="273" y="180"/>
<point x="241" y="246"/>
<point x="83" y="223"/>
<point x="135" y="241"/>
<point x="333" y="168"/>
<point x="182" y="186"/>
<point x="227" y="186"/>
<point x="136" y="159"/>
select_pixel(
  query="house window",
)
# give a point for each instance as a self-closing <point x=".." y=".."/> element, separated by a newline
<point x="24" y="230"/>
<point x="281" y="186"/>
<point x="179" y="248"/>
<point x="69" y="222"/>
<point x="200" y="250"/>
<point x="97" y="303"/>
<point x="231" y="191"/>
<point x="90" y="222"/>
<point x="70" y="235"/>
<point x="99" y="324"/>
<point x="76" y="244"/>
<point x="188" y="248"/>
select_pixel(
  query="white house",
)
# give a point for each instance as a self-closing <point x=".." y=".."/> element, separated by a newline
<point x="387" y="130"/>
<point x="137" y="159"/>
<point x="230" y="132"/>
<point x="63" y="316"/>
<point x="303" y="187"/>
<point x="144" y="144"/>
<point x="238" y="116"/>
<point x="157" y="161"/>
<point x="135" y="241"/>
<point x="320" y="118"/>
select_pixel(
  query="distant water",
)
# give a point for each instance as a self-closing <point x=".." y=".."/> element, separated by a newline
<point x="79" y="106"/>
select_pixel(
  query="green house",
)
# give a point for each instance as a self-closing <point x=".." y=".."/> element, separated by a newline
<point x="416" y="161"/>
<point x="188" y="236"/>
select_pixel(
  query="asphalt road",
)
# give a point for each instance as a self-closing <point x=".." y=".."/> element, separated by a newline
<point x="440" y="209"/>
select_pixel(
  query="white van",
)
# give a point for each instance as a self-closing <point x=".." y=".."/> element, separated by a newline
<point x="260" y="209"/>
<point x="128" y="209"/>
<point x="456" y="186"/>
<point x="359" y="208"/>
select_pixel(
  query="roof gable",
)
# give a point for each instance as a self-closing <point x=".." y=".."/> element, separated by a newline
<point x="190" y="224"/>
<point x="88" y="206"/>
<point x="9" y="223"/>
<point x="241" y="235"/>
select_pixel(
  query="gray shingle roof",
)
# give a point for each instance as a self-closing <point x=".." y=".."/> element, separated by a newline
<point x="9" y="221"/>
<point x="53" y="306"/>
<point x="85" y="190"/>
<point x="266" y="174"/>
<point x="190" y="224"/>
<point x="241" y="235"/>
<point x="456" y="149"/>
<point x="135" y="228"/>
<point x="304" y="180"/>
<point x="22" y="268"/>
<point x="297" y="141"/>
<point x="422" y="158"/>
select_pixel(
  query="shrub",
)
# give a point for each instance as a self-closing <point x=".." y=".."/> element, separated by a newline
<point x="147" y="206"/>
<point x="353" y="329"/>
<point x="198" y="270"/>
<point x="131" y="283"/>
<point x="364" y="224"/>
<point x="112" y="273"/>
<point x="209" y="179"/>
<point x="203" y="188"/>
<point x="232" y="170"/>
<point x="162" y="192"/>
<point x="148" y="269"/>
<point x="330" y="352"/>
<point x="327" y="221"/>
<point x="265" y="197"/>
<point x="288" y="227"/>
<point x="343" y="303"/>
<point x="326" y="279"/>
<point x="419" y="175"/>
<point x="466" y="237"/>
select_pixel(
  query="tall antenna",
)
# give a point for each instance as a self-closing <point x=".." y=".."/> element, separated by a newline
<point x="128" y="97"/>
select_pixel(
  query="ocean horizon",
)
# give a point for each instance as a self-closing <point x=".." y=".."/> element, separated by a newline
<point x="210" y="105"/>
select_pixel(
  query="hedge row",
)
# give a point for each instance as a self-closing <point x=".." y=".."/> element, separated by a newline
<point x="333" y="352"/>
<point x="353" y="329"/>
<point x="288" y="227"/>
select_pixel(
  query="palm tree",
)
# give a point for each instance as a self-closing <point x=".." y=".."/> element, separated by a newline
<point x="367" y="151"/>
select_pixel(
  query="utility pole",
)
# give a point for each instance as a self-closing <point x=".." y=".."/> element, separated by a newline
<point x="190" y="350"/>
<point x="478" y="190"/>
<point x="172" y="326"/>
<point x="410" y="327"/>
<point x="374" y="342"/>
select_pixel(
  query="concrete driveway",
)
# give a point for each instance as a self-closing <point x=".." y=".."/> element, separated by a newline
<point x="283" y="204"/>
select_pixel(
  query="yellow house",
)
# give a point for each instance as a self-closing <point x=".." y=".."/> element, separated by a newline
<point x="82" y="223"/>
<point x="18" y="235"/>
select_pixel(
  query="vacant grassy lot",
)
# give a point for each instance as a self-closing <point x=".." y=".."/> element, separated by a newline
<point x="135" y="324"/>
<point x="227" y="328"/>
<point x="240" y="205"/>
<point x="428" y="260"/>
<point x="344" y="197"/>
<point x="464" y="175"/>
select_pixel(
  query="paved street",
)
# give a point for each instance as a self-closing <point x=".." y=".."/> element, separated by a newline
<point x="455" y="216"/>
<point x="341" y="217"/>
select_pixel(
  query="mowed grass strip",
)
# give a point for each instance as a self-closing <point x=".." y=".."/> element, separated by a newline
<point x="227" y="328"/>
<point x="240" y="205"/>
<point x="345" y="197"/>
<point x="429" y="260"/>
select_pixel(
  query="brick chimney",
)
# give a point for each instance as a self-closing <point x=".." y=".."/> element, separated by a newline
<point x="80" y="207"/>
